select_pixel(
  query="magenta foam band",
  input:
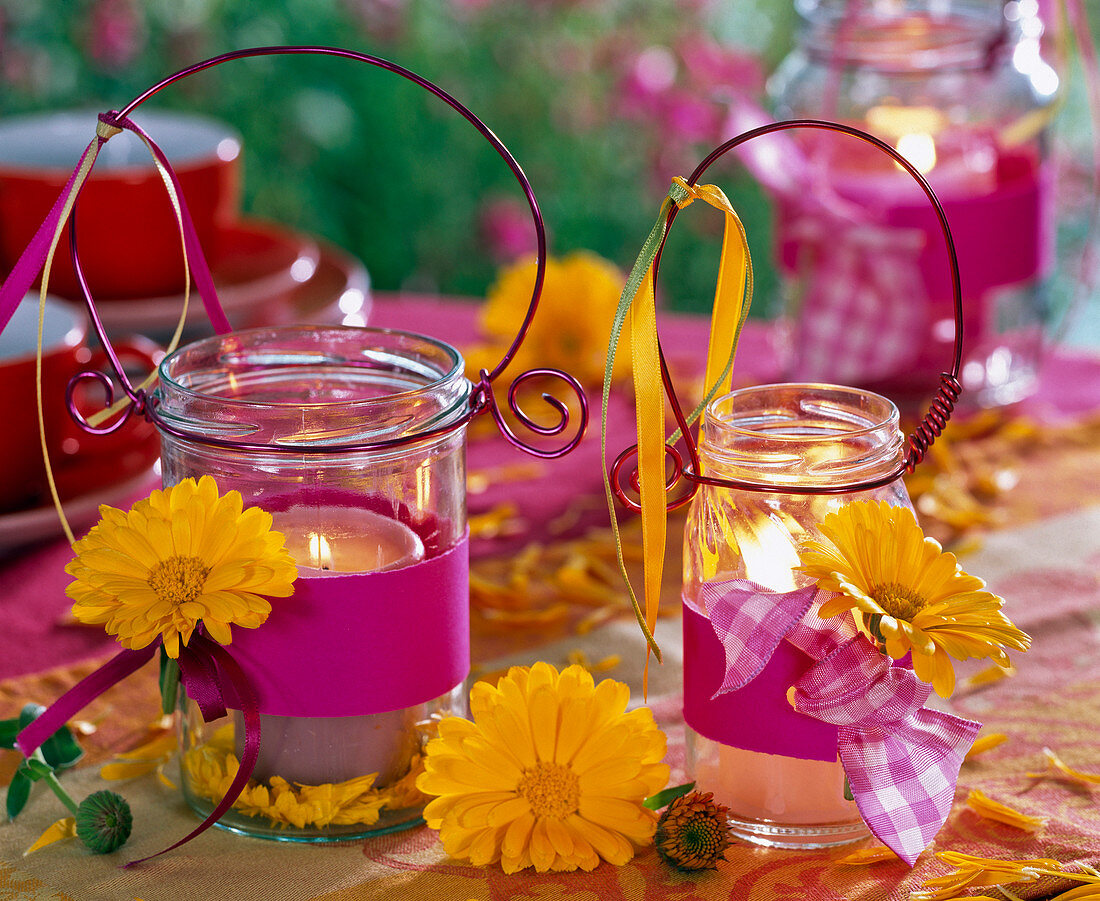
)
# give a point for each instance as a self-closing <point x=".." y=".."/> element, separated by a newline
<point x="758" y="716"/>
<point x="361" y="643"/>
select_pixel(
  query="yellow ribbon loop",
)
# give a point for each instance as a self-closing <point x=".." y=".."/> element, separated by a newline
<point x="732" y="295"/>
<point x="104" y="131"/>
<point x="732" y="298"/>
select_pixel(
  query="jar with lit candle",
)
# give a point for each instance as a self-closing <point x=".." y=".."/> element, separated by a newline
<point x="961" y="90"/>
<point x="348" y="438"/>
<point x="775" y="769"/>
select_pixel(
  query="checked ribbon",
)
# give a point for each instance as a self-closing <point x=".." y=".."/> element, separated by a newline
<point x="902" y="759"/>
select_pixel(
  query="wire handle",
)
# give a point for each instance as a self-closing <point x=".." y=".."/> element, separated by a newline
<point x="482" y="397"/>
<point x="932" y="423"/>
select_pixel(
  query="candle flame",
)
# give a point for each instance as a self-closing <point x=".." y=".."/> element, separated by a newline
<point x="320" y="552"/>
<point x="920" y="150"/>
<point x="912" y="129"/>
<point x="769" y="553"/>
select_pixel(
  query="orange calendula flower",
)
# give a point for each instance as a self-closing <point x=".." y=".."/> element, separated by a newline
<point x="693" y="832"/>
<point x="910" y="594"/>
<point x="551" y="773"/>
<point x="183" y="556"/>
<point x="985" y="806"/>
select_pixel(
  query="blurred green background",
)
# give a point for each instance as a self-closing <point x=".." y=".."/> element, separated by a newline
<point x="600" y="102"/>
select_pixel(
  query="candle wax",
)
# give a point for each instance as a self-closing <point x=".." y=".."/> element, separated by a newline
<point x="319" y="750"/>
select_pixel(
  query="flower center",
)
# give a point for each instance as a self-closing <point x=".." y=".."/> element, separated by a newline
<point x="701" y="836"/>
<point x="551" y="789"/>
<point x="178" y="580"/>
<point x="899" y="601"/>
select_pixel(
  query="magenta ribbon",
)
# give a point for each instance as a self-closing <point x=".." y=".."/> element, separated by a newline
<point x="200" y="662"/>
<point x="902" y="759"/>
<point x="33" y="258"/>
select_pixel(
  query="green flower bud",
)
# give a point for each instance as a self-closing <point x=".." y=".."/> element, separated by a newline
<point x="103" y="822"/>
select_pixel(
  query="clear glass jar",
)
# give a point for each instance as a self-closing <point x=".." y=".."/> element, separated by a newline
<point x="816" y="437"/>
<point x="352" y="511"/>
<point x="960" y="89"/>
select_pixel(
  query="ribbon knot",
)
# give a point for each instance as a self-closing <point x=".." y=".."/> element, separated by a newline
<point x="205" y="666"/>
<point x="107" y="126"/>
<point x="902" y="760"/>
<point x="857" y="686"/>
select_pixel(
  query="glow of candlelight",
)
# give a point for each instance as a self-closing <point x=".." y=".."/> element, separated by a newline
<point x="912" y="129"/>
<point x="320" y="552"/>
<point x="920" y="150"/>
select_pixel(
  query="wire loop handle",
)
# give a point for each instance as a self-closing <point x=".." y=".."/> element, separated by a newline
<point x="932" y="423"/>
<point x="482" y="396"/>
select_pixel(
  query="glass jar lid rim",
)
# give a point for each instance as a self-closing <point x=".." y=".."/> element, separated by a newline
<point x="890" y="418"/>
<point x="456" y="363"/>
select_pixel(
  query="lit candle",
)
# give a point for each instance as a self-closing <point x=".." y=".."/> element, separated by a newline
<point x="318" y="750"/>
<point x="774" y="787"/>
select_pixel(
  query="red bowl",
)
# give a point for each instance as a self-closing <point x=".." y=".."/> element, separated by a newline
<point x="129" y="239"/>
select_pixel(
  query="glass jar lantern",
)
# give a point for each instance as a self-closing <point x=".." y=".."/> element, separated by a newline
<point x="379" y="510"/>
<point x="961" y="90"/>
<point x="776" y="770"/>
<point x="770" y="464"/>
<point x="353" y="440"/>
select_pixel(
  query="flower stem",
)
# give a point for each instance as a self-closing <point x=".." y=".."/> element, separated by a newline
<point x="55" y="786"/>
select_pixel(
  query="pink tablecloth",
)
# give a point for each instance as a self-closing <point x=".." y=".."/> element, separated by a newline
<point x="33" y="607"/>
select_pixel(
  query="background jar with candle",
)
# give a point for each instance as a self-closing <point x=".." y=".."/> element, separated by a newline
<point x="776" y="770"/>
<point x="354" y="693"/>
<point x="961" y="90"/>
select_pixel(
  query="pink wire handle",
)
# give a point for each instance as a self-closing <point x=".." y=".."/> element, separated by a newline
<point x="932" y="423"/>
<point x="482" y="396"/>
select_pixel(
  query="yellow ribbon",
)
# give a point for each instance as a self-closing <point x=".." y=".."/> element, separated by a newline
<point x="106" y="132"/>
<point x="732" y="298"/>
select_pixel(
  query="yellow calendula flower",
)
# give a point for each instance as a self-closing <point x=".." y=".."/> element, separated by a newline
<point x="182" y="556"/>
<point x="579" y="297"/>
<point x="910" y="594"/>
<point x="551" y="773"/>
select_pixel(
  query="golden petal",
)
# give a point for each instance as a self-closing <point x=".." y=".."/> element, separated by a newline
<point x="540" y="846"/>
<point x="518" y="835"/>
<point x="611" y="846"/>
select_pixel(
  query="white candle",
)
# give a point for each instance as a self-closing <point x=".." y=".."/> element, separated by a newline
<point x="318" y="750"/>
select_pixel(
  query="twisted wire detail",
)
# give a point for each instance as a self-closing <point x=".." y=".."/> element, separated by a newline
<point x="934" y="421"/>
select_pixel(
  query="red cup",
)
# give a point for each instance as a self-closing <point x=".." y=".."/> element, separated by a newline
<point x="81" y="461"/>
<point x="128" y="236"/>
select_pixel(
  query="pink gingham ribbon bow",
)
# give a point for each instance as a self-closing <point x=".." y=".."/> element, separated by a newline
<point x="902" y="759"/>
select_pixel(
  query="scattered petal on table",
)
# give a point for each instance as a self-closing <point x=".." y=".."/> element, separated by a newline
<point x="986" y="743"/>
<point x="1069" y="772"/>
<point x="986" y="807"/>
<point x="60" y="830"/>
<point x="865" y="856"/>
